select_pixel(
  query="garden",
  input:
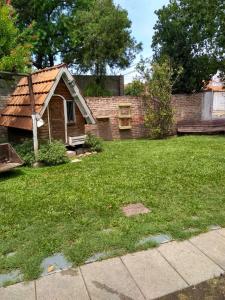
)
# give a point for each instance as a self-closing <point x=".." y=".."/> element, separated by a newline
<point x="76" y="208"/>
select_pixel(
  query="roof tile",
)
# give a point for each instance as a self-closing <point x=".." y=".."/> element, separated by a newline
<point x="18" y="111"/>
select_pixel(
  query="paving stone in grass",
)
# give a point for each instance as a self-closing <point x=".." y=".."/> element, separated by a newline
<point x="14" y="276"/>
<point x="107" y="230"/>
<point x="135" y="209"/>
<point x="11" y="254"/>
<point x="214" y="227"/>
<point x="96" y="257"/>
<point x="158" y="239"/>
<point x="76" y="160"/>
<point x="55" y="263"/>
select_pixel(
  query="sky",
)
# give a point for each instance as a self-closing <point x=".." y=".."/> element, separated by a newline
<point x="141" y="13"/>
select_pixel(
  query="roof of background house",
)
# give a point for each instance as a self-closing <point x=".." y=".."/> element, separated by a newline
<point x="215" y="85"/>
<point x="18" y="111"/>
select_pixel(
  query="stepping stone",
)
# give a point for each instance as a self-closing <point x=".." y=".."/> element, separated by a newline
<point x="135" y="209"/>
<point x="153" y="274"/>
<point x="13" y="276"/>
<point x="108" y="230"/>
<point x="55" y="263"/>
<point x="110" y="280"/>
<point x="71" y="153"/>
<point x="190" y="262"/>
<point x="19" y="291"/>
<point x="66" y="285"/>
<point x="214" y="227"/>
<point x="212" y="244"/>
<point x="156" y="239"/>
<point x="11" y="254"/>
<point x="96" y="257"/>
<point x="76" y="160"/>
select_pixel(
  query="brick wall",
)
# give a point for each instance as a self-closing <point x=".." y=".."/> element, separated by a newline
<point x="106" y="113"/>
<point x="6" y="88"/>
<point x="187" y="107"/>
<point x="3" y="130"/>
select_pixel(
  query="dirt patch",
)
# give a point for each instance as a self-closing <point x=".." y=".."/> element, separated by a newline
<point x="213" y="289"/>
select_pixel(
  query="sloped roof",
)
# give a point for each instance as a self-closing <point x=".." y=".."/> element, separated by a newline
<point x="18" y="111"/>
<point x="215" y="86"/>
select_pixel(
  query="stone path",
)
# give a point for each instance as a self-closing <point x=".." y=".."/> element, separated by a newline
<point x="143" y="275"/>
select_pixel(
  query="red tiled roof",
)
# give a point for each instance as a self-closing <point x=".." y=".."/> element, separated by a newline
<point x="18" y="111"/>
<point x="215" y="87"/>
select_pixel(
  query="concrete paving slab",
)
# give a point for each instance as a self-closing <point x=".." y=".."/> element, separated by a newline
<point x="19" y="291"/>
<point x="67" y="285"/>
<point x="110" y="280"/>
<point x="189" y="262"/>
<point x="221" y="231"/>
<point x="153" y="274"/>
<point x="213" y="245"/>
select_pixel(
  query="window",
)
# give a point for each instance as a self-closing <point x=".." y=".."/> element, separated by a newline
<point x="70" y="105"/>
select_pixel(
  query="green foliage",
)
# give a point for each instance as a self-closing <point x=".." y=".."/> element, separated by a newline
<point x="192" y="40"/>
<point x="94" y="143"/>
<point x="159" y="114"/>
<point x="50" y="18"/>
<point x="100" y="37"/>
<point x="26" y="152"/>
<point x="15" y="45"/>
<point x="53" y="153"/>
<point x="135" y="88"/>
<point x="96" y="90"/>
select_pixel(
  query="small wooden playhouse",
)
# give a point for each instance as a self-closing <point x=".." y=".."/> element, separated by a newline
<point x="59" y="110"/>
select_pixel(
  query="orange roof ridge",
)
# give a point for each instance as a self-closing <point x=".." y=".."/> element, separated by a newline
<point x="49" y="68"/>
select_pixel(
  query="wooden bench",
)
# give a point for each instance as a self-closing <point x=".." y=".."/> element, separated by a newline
<point x="213" y="126"/>
<point x="77" y="140"/>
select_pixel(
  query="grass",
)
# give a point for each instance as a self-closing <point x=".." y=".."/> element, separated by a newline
<point x="76" y="208"/>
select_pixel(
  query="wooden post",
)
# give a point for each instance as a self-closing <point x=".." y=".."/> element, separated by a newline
<point x="34" y="119"/>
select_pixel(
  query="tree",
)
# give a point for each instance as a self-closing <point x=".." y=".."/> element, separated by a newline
<point x="135" y="88"/>
<point x="49" y="17"/>
<point x="15" y="45"/>
<point x="190" y="32"/>
<point x="158" y="80"/>
<point x="100" y="37"/>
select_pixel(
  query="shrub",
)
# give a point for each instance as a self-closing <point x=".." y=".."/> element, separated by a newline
<point x="53" y="153"/>
<point x="96" y="90"/>
<point x="135" y="88"/>
<point x="26" y="152"/>
<point x="94" y="143"/>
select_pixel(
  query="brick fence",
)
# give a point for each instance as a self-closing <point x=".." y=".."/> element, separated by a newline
<point x="107" y="114"/>
<point x="6" y="88"/>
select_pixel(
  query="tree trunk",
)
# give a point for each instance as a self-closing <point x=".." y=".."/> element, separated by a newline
<point x="51" y="60"/>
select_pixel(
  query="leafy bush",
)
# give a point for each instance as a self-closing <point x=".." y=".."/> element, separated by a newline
<point x="135" y="88"/>
<point x="53" y="153"/>
<point x="96" y="90"/>
<point x="26" y="152"/>
<point x="94" y="143"/>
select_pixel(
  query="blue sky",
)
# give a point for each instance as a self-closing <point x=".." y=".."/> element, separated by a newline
<point x="141" y="13"/>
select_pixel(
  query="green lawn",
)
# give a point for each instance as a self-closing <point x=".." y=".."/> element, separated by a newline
<point x="76" y="208"/>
